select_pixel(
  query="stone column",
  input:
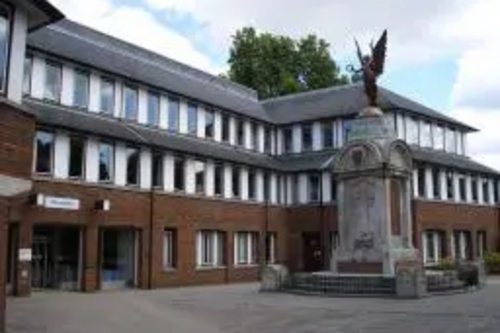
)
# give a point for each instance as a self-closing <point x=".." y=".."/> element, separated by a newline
<point x="23" y="276"/>
<point x="91" y="262"/>
<point x="3" y="261"/>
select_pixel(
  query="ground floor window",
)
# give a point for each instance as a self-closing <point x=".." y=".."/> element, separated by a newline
<point x="482" y="244"/>
<point x="169" y="249"/>
<point x="271" y="239"/>
<point x="210" y="247"/>
<point x="462" y="245"/>
<point x="433" y="245"/>
<point x="246" y="248"/>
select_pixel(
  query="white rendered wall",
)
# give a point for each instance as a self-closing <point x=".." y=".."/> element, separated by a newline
<point x="120" y="164"/>
<point x="316" y="136"/>
<point x="168" y="172"/>
<point x="17" y="55"/>
<point x="67" y="85"/>
<point x="118" y="99"/>
<point x="92" y="160"/>
<point x="218" y="126"/>
<point x="38" y="77"/>
<point x="327" y="186"/>
<point x="200" y="122"/>
<point x="210" y="178"/>
<point x="94" y="92"/>
<point x="228" y="181"/>
<point x="183" y="116"/>
<point x="163" y="119"/>
<point x="296" y="139"/>
<point x="61" y="155"/>
<point x="145" y="168"/>
<point x="142" y="106"/>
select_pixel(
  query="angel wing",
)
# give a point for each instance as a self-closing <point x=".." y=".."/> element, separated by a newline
<point x="378" y="54"/>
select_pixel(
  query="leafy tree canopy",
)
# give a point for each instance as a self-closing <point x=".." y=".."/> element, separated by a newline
<point x="276" y="65"/>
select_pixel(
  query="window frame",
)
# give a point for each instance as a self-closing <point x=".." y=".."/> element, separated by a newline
<point x="209" y="128"/>
<point x="9" y="9"/>
<point x="112" y="83"/>
<point x="28" y="72"/>
<point x="170" y="254"/>
<point x="303" y="137"/>
<point x="112" y="170"/>
<point x="156" y="95"/>
<point x="192" y="109"/>
<point x="219" y="166"/>
<point x="203" y="174"/>
<point x="82" y="73"/>
<point x="137" y="150"/>
<point x="84" y="151"/>
<point x="52" y="153"/>
<point x="130" y="87"/>
<point x="172" y="100"/>
<point x="183" y="160"/>
<point x="59" y="67"/>
<point x="161" y="155"/>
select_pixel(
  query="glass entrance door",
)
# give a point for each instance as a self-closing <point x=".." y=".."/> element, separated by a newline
<point x="41" y="263"/>
<point x="117" y="258"/>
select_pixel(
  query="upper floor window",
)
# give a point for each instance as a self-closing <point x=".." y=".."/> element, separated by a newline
<point x="219" y="179"/>
<point x="199" y="172"/>
<point x="474" y="189"/>
<point x="268" y="137"/>
<point x="107" y="96"/>
<point x="192" y="121"/>
<point x="81" y="90"/>
<point x="157" y="171"/>
<point x="252" y="186"/>
<point x="436" y="183"/>
<point x="267" y="186"/>
<point x="411" y="130"/>
<point x="462" y="188"/>
<point x="44" y="153"/>
<point x="450" y="141"/>
<point x="236" y="182"/>
<point x="173" y="114"/>
<point x="179" y="173"/>
<point x="53" y="73"/>
<point x="209" y="124"/>
<point x="425" y="134"/>
<point x="130" y="103"/>
<point x="486" y="191"/>
<point x="346" y="126"/>
<point x="153" y="109"/>
<point x="76" y="157"/>
<point x="288" y="140"/>
<point x="5" y="21"/>
<point x="327" y="133"/>
<point x="450" y="187"/>
<point x="333" y="188"/>
<point x="133" y="166"/>
<point x="307" y="137"/>
<point x="254" y="130"/>
<point x="439" y="137"/>
<point x="314" y="188"/>
<point x="106" y="162"/>
<point x="225" y="127"/>
<point x="240" y="132"/>
<point x="28" y="66"/>
<point x="495" y="191"/>
<point x="421" y="181"/>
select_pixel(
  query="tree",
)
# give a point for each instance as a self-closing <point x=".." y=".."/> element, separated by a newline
<point x="277" y="65"/>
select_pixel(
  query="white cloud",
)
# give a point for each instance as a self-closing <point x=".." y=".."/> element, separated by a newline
<point x="135" y="25"/>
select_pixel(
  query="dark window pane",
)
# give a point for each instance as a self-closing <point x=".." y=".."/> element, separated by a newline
<point x="4" y="45"/>
<point x="225" y="127"/>
<point x="463" y="189"/>
<point x="130" y="103"/>
<point x="333" y="189"/>
<point x="81" y="90"/>
<point x="76" y="157"/>
<point x="209" y="124"/>
<point x="106" y="162"/>
<point x="267" y="186"/>
<point x="474" y="189"/>
<point x="199" y="171"/>
<point x="306" y="137"/>
<point x="179" y="174"/>
<point x="436" y="183"/>
<point x="52" y="82"/>
<point x="421" y="181"/>
<point x="251" y="184"/>
<point x="495" y="191"/>
<point x="44" y="152"/>
<point x="236" y="182"/>
<point x="107" y="96"/>
<point x="313" y="188"/>
<point x="267" y="140"/>
<point x="153" y="109"/>
<point x="255" y="135"/>
<point x="327" y="135"/>
<point x="288" y="140"/>
<point x="133" y="165"/>
<point x="240" y="132"/>
<point x="192" y="119"/>
<point x="219" y="179"/>
<point x="486" y="192"/>
<point x="28" y="65"/>
<point x="157" y="170"/>
<point x="450" y="189"/>
<point x="173" y="114"/>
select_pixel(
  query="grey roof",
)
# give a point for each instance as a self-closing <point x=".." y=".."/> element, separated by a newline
<point x="105" y="126"/>
<point x="81" y="44"/>
<point x="47" y="14"/>
<point x="345" y="100"/>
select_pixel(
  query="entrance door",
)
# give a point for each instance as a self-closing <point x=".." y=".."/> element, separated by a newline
<point x="117" y="258"/>
<point x="311" y="251"/>
<point x="41" y="263"/>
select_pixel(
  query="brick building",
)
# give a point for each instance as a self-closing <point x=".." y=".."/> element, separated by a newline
<point x="132" y="170"/>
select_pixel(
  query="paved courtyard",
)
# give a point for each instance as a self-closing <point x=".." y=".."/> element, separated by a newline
<point x="241" y="308"/>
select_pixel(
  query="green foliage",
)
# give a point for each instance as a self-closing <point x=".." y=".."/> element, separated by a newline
<point x="492" y="262"/>
<point x="446" y="264"/>
<point x="277" y="65"/>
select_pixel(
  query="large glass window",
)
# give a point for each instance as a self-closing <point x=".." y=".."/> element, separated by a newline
<point x="28" y="66"/>
<point x="327" y="134"/>
<point x="153" y="109"/>
<point x="5" y="21"/>
<point x="421" y="181"/>
<point x="210" y="248"/>
<point x="179" y="173"/>
<point x="225" y="127"/>
<point x="240" y="132"/>
<point x="271" y="238"/>
<point x="462" y="187"/>
<point x="81" y="90"/>
<point x="425" y="134"/>
<point x="219" y="180"/>
<point x="173" y="114"/>
<point x="106" y="162"/>
<point x="346" y="127"/>
<point x="450" y="141"/>
<point x="474" y="189"/>
<point x="252" y="178"/>
<point x="44" y="152"/>
<point x="436" y="183"/>
<point x="130" y="103"/>
<point x="268" y="137"/>
<point x="209" y="124"/>
<point x="53" y="79"/>
<point x="450" y="187"/>
<point x="439" y="137"/>
<point x="236" y="182"/>
<point x="246" y="247"/>
<point x="486" y="191"/>
<point x="306" y="137"/>
<point x="199" y="172"/>
<point x="169" y="249"/>
<point x="192" y="119"/>
<point x="314" y="188"/>
<point x="254" y="130"/>
<point x="76" y="157"/>
<point x="157" y="169"/>
<point x="412" y="130"/>
<point x="107" y="96"/>
<point x="133" y="166"/>
<point x="288" y="139"/>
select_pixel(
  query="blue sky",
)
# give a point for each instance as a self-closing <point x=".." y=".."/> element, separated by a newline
<point x="443" y="53"/>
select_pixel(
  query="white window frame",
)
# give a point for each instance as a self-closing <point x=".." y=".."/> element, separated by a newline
<point x="169" y="261"/>
<point x="272" y="248"/>
<point x="244" y="244"/>
<point x="209" y="249"/>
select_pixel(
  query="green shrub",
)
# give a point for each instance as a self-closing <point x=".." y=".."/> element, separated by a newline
<point x="446" y="264"/>
<point x="492" y="262"/>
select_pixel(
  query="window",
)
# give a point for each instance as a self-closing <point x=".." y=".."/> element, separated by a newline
<point x="425" y="134"/>
<point x="133" y="165"/>
<point x="436" y="183"/>
<point x="219" y="180"/>
<point x="450" y="187"/>
<point x="270" y="242"/>
<point x="254" y="130"/>
<point x="306" y="137"/>
<point x="246" y="248"/>
<point x="267" y="186"/>
<point x="346" y="126"/>
<point x="225" y="127"/>
<point x="236" y="182"/>
<point x="462" y="188"/>
<point x="421" y="181"/>
<point x="495" y="191"/>
<point x="314" y="188"/>
<point x="44" y="152"/>
<point x="153" y="109"/>
<point x="439" y="137"/>
<point x="173" y="114"/>
<point x="5" y="21"/>
<point x="169" y="249"/>
<point x="209" y="124"/>
<point x="268" y="137"/>
<point x="486" y="191"/>
<point x="81" y="90"/>
<point x="179" y="173"/>
<point x="482" y="243"/>
<point x="107" y="96"/>
<point x="450" y="141"/>
<point x="210" y="248"/>
<point x="106" y="162"/>
<point x="192" y="121"/>
<point x="333" y="188"/>
<point x="462" y="241"/>
<point x="460" y="143"/>
<point x="157" y="161"/>
<point x="288" y="140"/>
<point x="252" y="192"/>
<point x="474" y="189"/>
<point x="52" y="82"/>
<point x="76" y="157"/>
<point x="279" y="191"/>
<point x="240" y="132"/>
<point x="295" y="189"/>
<point x="327" y="133"/>
<point x="199" y="172"/>
<point x="412" y="130"/>
<point x="130" y="103"/>
<point x="432" y="243"/>
<point x="28" y="66"/>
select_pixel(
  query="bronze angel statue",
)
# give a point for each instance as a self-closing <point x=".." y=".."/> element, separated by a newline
<point x="372" y="66"/>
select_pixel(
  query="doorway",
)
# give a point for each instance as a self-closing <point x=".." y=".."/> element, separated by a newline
<point x="56" y="257"/>
<point x="118" y="258"/>
<point x="311" y="252"/>
<point x="12" y="241"/>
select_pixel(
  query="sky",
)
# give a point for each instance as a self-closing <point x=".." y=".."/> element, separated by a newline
<point x="442" y="53"/>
